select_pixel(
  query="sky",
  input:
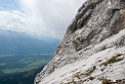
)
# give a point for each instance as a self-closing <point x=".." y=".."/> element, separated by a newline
<point x="40" y="18"/>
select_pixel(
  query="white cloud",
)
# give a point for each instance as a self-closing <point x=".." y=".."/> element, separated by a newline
<point x="20" y="22"/>
<point x="41" y="18"/>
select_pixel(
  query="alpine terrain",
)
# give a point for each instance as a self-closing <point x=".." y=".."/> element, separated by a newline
<point x="93" y="48"/>
<point x="22" y="56"/>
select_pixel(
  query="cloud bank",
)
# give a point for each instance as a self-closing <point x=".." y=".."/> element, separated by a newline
<point x="40" y="18"/>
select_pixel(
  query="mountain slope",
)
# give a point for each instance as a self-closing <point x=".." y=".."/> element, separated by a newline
<point x="93" y="49"/>
<point x="21" y="78"/>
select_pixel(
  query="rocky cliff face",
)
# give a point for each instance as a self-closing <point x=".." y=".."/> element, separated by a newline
<point x="93" y="49"/>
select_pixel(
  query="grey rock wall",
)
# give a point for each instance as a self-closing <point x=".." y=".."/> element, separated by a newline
<point x="95" y="21"/>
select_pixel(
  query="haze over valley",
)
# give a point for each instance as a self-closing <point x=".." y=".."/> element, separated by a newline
<point x="20" y="52"/>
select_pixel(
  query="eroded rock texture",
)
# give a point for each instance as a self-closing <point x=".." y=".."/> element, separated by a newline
<point x="95" y="36"/>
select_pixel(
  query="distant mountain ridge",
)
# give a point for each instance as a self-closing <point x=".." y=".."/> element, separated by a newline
<point x="20" y="52"/>
<point x="21" y="43"/>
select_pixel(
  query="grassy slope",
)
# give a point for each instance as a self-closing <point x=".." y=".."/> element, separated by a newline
<point x="21" y="78"/>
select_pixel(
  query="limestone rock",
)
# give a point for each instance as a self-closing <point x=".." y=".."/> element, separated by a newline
<point x="93" y="48"/>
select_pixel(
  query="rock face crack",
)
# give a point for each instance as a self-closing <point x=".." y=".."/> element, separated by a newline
<point x="83" y="15"/>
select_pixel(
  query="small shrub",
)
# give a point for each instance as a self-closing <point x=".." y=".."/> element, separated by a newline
<point x="112" y="60"/>
<point x="104" y="81"/>
<point x="88" y="73"/>
<point x="77" y="75"/>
